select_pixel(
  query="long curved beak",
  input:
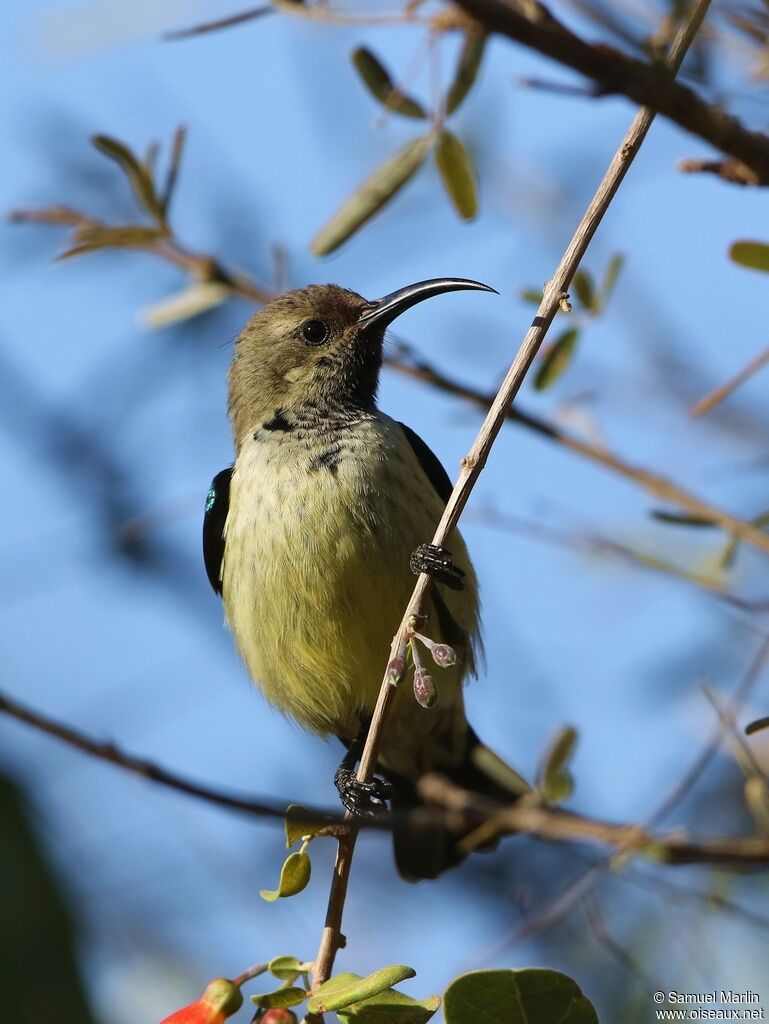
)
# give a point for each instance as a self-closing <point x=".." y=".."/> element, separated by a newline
<point x="385" y="310"/>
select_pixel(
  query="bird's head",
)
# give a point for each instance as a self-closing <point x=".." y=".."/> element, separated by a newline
<point x="317" y="350"/>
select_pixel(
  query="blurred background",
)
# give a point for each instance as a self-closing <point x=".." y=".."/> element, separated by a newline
<point x="119" y="899"/>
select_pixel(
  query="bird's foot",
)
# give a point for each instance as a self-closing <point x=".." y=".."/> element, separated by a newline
<point x="436" y="562"/>
<point x="361" y="797"/>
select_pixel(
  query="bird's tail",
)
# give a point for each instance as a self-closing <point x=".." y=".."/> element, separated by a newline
<point x="427" y="849"/>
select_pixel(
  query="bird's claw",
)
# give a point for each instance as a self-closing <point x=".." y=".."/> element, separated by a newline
<point x="436" y="562"/>
<point x="361" y="797"/>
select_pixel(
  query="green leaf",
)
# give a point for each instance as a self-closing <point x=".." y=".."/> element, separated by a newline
<point x="294" y="876"/>
<point x="612" y="273"/>
<point x="102" y="236"/>
<point x="751" y="254"/>
<point x="287" y="968"/>
<point x="281" y="997"/>
<point x="138" y="175"/>
<point x="585" y="292"/>
<point x="529" y="996"/>
<point x="681" y="518"/>
<point x="300" y="823"/>
<point x="337" y="996"/>
<point x="556" y="359"/>
<point x="533" y="295"/>
<point x="557" y="783"/>
<point x="377" y="80"/>
<point x="470" y="59"/>
<point x="372" y="195"/>
<point x="757" y="726"/>
<point x="457" y="173"/>
<point x="491" y="764"/>
<point x="390" y="1007"/>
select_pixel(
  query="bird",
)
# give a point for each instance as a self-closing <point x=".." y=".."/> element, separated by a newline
<point x="311" y="538"/>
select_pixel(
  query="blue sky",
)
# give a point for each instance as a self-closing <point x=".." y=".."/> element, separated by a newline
<point x="280" y="132"/>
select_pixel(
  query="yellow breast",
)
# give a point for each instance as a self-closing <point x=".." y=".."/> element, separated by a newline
<point x="316" y="569"/>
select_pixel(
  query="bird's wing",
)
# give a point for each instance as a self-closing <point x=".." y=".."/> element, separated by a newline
<point x="214" y="518"/>
<point x="441" y="481"/>
<point x="430" y="463"/>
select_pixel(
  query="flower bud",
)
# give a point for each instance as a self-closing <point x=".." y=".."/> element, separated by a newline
<point x="396" y="670"/>
<point x="220" y="1000"/>
<point x="425" y="689"/>
<point x="443" y="655"/>
<point x="277" y="1015"/>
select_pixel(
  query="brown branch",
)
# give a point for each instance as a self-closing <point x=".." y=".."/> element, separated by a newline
<point x="651" y="85"/>
<point x="552" y="823"/>
<point x="214" y="26"/>
<point x="106" y="751"/>
<point x="456" y="808"/>
<point x="651" y="482"/>
<point x="717" y="395"/>
<point x="474" y="461"/>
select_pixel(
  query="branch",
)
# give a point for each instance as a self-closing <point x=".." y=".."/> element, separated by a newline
<point x="458" y="809"/>
<point x="717" y="395"/>
<point x="531" y="24"/>
<point x="651" y="482"/>
<point x="474" y="461"/>
<point x="552" y="823"/>
<point x="108" y="752"/>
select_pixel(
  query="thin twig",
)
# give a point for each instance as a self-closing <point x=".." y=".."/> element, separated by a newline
<point x="475" y="460"/>
<point x="717" y="395"/>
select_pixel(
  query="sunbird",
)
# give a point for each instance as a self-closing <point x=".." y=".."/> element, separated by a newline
<point x="312" y="535"/>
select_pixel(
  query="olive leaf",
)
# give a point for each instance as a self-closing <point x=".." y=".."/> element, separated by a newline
<point x="611" y="274"/>
<point x="757" y="799"/>
<point x="191" y="301"/>
<point x="286" y="996"/>
<point x="470" y="58"/>
<point x="371" y="196"/>
<point x="390" y="1007"/>
<point x="529" y="996"/>
<point x="556" y="782"/>
<point x="177" y="148"/>
<point x="137" y="173"/>
<point x="300" y="823"/>
<point x="754" y="255"/>
<point x="336" y="994"/>
<point x="585" y="291"/>
<point x="556" y="359"/>
<point x="91" y="237"/>
<point x="287" y="968"/>
<point x="377" y="80"/>
<point x="663" y="515"/>
<point x="457" y="173"/>
<point x="294" y="876"/>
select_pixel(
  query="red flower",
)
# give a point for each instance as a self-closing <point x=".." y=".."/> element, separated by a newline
<point x="220" y="1000"/>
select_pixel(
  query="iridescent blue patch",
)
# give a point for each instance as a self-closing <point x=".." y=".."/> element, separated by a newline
<point x="210" y="500"/>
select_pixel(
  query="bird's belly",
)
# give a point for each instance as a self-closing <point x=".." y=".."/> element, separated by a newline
<point x="316" y="577"/>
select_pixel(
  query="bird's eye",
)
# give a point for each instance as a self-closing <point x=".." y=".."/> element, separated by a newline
<point x="315" y="332"/>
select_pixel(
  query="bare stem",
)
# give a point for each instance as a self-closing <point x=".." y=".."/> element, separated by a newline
<point x="474" y="461"/>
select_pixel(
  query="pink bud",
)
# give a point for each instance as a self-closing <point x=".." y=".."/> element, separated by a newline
<point x="444" y="655"/>
<point x="278" y="1015"/>
<point x="425" y="690"/>
<point x="396" y="670"/>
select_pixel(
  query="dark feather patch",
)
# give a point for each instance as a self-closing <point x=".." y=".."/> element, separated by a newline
<point x="430" y="463"/>
<point x="217" y="507"/>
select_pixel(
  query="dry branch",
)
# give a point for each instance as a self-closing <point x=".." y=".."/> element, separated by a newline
<point x="651" y="85"/>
